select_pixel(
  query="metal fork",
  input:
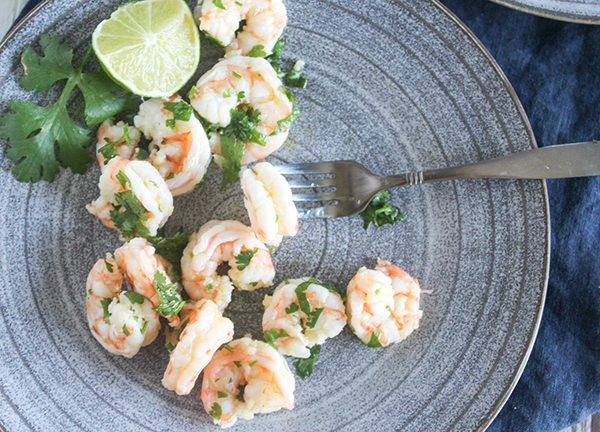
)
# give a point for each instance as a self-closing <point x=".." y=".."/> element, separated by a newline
<point x="350" y="186"/>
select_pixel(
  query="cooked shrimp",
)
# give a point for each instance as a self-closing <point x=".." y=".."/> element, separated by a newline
<point x="122" y="322"/>
<point x="240" y="81"/>
<point x="383" y="304"/>
<point x="269" y="384"/>
<point x="202" y="330"/>
<point x="146" y="184"/>
<point x="268" y="199"/>
<point x="181" y="153"/>
<point x="140" y="264"/>
<point x="225" y="241"/>
<point x="304" y="310"/>
<point x="265" y="21"/>
<point x="125" y="138"/>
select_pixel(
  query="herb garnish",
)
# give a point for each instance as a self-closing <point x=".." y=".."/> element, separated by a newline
<point x="169" y="295"/>
<point x="41" y="138"/>
<point x="285" y="123"/>
<point x="305" y="367"/>
<point x="243" y="259"/>
<point x="291" y="309"/>
<point x="171" y="248"/>
<point x="216" y="411"/>
<point x="313" y="317"/>
<point x="219" y="4"/>
<point x="109" y="150"/>
<point x="380" y="212"/>
<point x="109" y="266"/>
<point x="272" y="335"/>
<point x="374" y="341"/>
<point x="237" y="363"/>
<point x="130" y="220"/>
<point x="228" y="347"/>
<point x="295" y="78"/>
<point x="181" y="111"/>
<point x="222" y="395"/>
<point x="105" y="302"/>
<point x="135" y="297"/>
<point x="257" y="51"/>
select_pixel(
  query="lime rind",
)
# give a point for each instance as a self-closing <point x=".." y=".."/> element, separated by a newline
<point x="150" y="47"/>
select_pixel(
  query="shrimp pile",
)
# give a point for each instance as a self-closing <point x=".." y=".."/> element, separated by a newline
<point x="300" y="314"/>
<point x="202" y="330"/>
<point x="244" y="81"/>
<point x="179" y="149"/>
<point x="141" y="178"/>
<point x="265" y="21"/>
<point x="383" y="304"/>
<point x="268" y="199"/>
<point x="122" y="322"/>
<point x="225" y="241"/>
<point x="257" y="368"/>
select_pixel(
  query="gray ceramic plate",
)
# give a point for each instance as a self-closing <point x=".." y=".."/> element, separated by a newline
<point x="579" y="11"/>
<point x="399" y="86"/>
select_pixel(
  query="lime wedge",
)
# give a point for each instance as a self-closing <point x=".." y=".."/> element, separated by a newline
<point x="150" y="47"/>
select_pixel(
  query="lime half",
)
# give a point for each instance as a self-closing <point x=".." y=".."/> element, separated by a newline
<point x="150" y="47"/>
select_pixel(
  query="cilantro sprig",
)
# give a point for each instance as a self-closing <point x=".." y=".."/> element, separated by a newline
<point x="171" y="248"/>
<point x="243" y="259"/>
<point x="41" y="139"/>
<point x="305" y="367"/>
<point x="379" y="212"/>
<point x="169" y="295"/>
<point x="129" y="214"/>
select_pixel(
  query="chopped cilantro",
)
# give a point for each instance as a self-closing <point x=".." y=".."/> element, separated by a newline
<point x="228" y="93"/>
<point x="171" y="248"/>
<point x="235" y="74"/>
<point x="222" y="395"/>
<point x="273" y="58"/>
<point x="216" y="411"/>
<point x="257" y="51"/>
<point x="240" y="96"/>
<point x="380" y="212"/>
<point x="142" y="154"/>
<point x="285" y="123"/>
<point x="109" y="150"/>
<point x="374" y="341"/>
<point x="130" y="220"/>
<point x="135" y="297"/>
<point x="237" y="363"/>
<point x="300" y="293"/>
<point x="214" y="40"/>
<point x="181" y="111"/>
<point x="313" y="317"/>
<point x="169" y="295"/>
<point x="109" y="266"/>
<point x="272" y="335"/>
<point x="238" y="3"/>
<point x="170" y="346"/>
<point x="143" y="329"/>
<point x="228" y="347"/>
<point x="253" y="363"/>
<point x="232" y="151"/>
<point x="126" y="330"/>
<point x="105" y="302"/>
<point x="292" y="308"/>
<point x="242" y="126"/>
<point x="219" y="4"/>
<point x="182" y="328"/>
<point x="243" y="259"/>
<point x="305" y="367"/>
<point x="41" y="138"/>
<point x="288" y="93"/>
<point x="192" y="92"/>
<point x="209" y="287"/>
<point x="295" y="78"/>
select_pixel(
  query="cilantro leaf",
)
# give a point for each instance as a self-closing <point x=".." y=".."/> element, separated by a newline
<point x="222" y="395"/>
<point x="380" y="212"/>
<point x="277" y="49"/>
<point x="313" y="317"/>
<point x="305" y="367"/>
<point x="294" y="78"/>
<point x="169" y="296"/>
<point x="243" y="125"/>
<point x="135" y="297"/>
<point x="292" y="308"/>
<point x="130" y="220"/>
<point x="109" y="150"/>
<point x="109" y="266"/>
<point x="272" y="335"/>
<point x="143" y="329"/>
<point x="171" y="248"/>
<point x="43" y="71"/>
<point x="300" y="293"/>
<point x="232" y="151"/>
<point x="181" y="111"/>
<point x="243" y="259"/>
<point x="374" y="341"/>
<point x="216" y="412"/>
<point x="192" y="92"/>
<point x="257" y="51"/>
<point x="34" y="132"/>
<point x="219" y="4"/>
<point x="214" y="40"/>
<point x="104" y="98"/>
<point x="170" y="346"/>
<point x="285" y="123"/>
<point x="126" y="330"/>
<point x="105" y="302"/>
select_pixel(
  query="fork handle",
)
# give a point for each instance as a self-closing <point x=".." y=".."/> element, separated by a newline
<point x="562" y="161"/>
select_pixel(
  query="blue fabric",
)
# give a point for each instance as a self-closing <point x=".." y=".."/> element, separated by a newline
<point x="555" y="69"/>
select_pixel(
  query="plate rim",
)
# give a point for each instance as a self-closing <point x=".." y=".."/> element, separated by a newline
<point x="495" y="410"/>
<point x="545" y="13"/>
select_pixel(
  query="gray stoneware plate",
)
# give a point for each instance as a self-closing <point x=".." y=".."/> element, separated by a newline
<point x="579" y="11"/>
<point x="397" y="85"/>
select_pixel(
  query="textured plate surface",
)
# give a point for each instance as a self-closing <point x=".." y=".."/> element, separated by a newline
<point x="398" y="86"/>
<point x="579" y="11"/>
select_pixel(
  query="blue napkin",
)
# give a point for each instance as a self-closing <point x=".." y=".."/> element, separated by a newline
<point x="555" y="69"/>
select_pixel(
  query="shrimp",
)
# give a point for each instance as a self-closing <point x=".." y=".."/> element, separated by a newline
<point x="146" y="184"/>
<point x="202" y="330"/>
<point x="268" y="199"/>
<point x="269" y="384"/>
<point x="125" y="138"/>
<point x="265" y="21"/>
<point x="179" y="150"/>
<point x="217" y="242"/>
<point x="122" y="322"/>
<point x="244" y="81"/>
<point x="138" y="260"/>
<point x="306" y="311"/>
<point x="383" y="304"/>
